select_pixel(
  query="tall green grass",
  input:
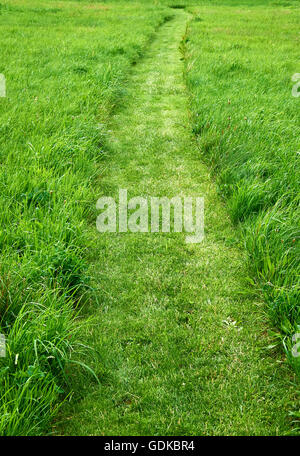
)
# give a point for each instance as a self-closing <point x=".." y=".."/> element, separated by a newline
<point x="238" y="69"/>
<point x="66" y="72"/>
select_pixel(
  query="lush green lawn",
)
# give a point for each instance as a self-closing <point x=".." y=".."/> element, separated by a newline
<point x="177" y="333"/>
<point x="182" y="339"/>
<point x="239" y="64"/>
<point x="66" y="72"/>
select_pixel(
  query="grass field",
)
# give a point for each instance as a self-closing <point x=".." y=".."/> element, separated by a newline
<point x="98" y="99"/>
<point x="244" y="60"/>
<point x="67" y="71"/>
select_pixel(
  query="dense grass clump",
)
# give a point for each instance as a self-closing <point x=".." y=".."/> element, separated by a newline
<point x="239" y="66"/>
<point x="66" y="73"/>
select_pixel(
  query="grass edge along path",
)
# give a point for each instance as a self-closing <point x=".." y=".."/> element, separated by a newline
<point x="74" y="73"/>
<point x="254" y="159"/>
<point x="181" y="341"/>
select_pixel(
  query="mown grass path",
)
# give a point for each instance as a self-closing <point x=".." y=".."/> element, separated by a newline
<point x="182" y="342"/>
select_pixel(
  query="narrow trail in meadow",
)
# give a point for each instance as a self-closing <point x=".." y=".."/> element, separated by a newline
<point x="182" y="345"/>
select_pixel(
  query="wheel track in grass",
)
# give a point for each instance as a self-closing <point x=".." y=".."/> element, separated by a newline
<point x="181" y="340"/>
